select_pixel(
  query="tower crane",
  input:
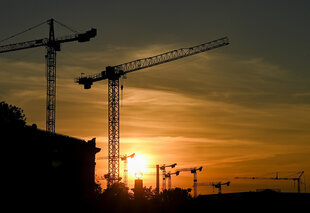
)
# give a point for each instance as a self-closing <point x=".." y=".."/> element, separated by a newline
<point x="193" y="171"/>
<point x="52" y="45"/>
<point x="298" y="179"/>
<point x="217" y="185"/>
<point x="113" y="74"/>
<point x="168" y="175"/>
<point x="125" y="159"/>
<point x="163" y="169"/>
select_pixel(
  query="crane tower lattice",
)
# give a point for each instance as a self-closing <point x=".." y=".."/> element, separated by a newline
<point x="52" y="45"/>
<point x="113" y="74"/>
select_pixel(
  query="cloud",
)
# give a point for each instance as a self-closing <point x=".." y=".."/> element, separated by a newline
<point x="225" y="112"/>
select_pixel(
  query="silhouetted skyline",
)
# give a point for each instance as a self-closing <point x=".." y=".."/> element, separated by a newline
<point x="238" y="110"/>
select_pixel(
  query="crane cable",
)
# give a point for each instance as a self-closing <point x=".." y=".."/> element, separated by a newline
<point x="122" y="88"/>
<point x="65" y="26"/>
<point x="38" y="25"/>
<point x="122" y="94"/>
<point x="17" y="34"/>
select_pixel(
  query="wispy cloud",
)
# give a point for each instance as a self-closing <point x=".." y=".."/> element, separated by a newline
<point x="222" y="111"/>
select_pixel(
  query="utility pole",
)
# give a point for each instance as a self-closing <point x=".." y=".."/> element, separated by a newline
<point x="157" y="179"/>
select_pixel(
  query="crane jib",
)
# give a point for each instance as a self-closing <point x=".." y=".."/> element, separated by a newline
<point x="171" y="56"/>
<point x="122" y="69"/>
<point x="80" y="37"/>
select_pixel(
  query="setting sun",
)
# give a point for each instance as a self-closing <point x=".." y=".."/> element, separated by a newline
<point x="137" y="164"/>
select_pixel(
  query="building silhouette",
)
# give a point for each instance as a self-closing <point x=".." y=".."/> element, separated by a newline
<point x="46" y="169"/>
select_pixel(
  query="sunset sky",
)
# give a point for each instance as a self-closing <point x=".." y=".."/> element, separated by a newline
<point x="239" y="110"/>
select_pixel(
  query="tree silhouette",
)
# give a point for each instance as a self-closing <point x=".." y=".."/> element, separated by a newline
<point x="11" y="115"/>
<point x="175" y="195"/>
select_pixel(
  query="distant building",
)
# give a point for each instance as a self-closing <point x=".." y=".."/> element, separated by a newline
<point x="44" y="167"/>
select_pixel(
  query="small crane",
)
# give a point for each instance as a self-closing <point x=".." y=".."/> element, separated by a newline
<point x="114" y="73"/>
<point x="52" y="45"/>
<point x="125" y="159"/>
<point x="193" y="171"/>
<point x="168" y="175"/>
<point x="217" y="185"/>
<point x="298" y="179"/>
<point x="163" y="169"/>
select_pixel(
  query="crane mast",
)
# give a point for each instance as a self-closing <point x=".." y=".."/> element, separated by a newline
<point x="51" y="79"/>
<point x="125" y="159"/>
<point x="113" y="134"/>
<point x="163" y="169"/>
<point x="52" y="45"/>
<point x="113" y="73"/>
<point x="168" y="175"/>
<point x="193" y="171"/>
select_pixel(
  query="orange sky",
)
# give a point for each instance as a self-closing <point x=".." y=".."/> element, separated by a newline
<point x="240" y="110"/>
<point x="173" y="114"/>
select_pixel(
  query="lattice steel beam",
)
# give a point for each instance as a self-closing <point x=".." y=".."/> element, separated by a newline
<point x="51" y="80"/>
<point x="51" y="89"/>
<point x="113" y="114"/>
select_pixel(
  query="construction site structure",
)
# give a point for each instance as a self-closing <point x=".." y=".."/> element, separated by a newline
<point x="295" y="179"/>
<point x="125" y="173"/>
<point x="52" y="45"/>
<point x="114" y="73"/>
<point x="125" y="159"/>
<point x="193" y="171"/>
<point x="163" y="169"/>
<point x="217" y="185"/>
<point x="168" y="175"/>
<point x="157" y="179"/>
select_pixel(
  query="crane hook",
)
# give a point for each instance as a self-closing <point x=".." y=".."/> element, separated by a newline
<point x="122" y="88"/>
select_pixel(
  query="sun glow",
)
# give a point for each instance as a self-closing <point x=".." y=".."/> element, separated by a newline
<point x="137" y="164"/>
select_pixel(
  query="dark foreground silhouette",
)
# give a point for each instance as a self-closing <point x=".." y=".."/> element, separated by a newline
<point x="45" y="172"/>
<point x="117" y="200"/>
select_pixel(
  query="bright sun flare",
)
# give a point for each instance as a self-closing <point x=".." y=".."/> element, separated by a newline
<point x="137" y="164"/>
